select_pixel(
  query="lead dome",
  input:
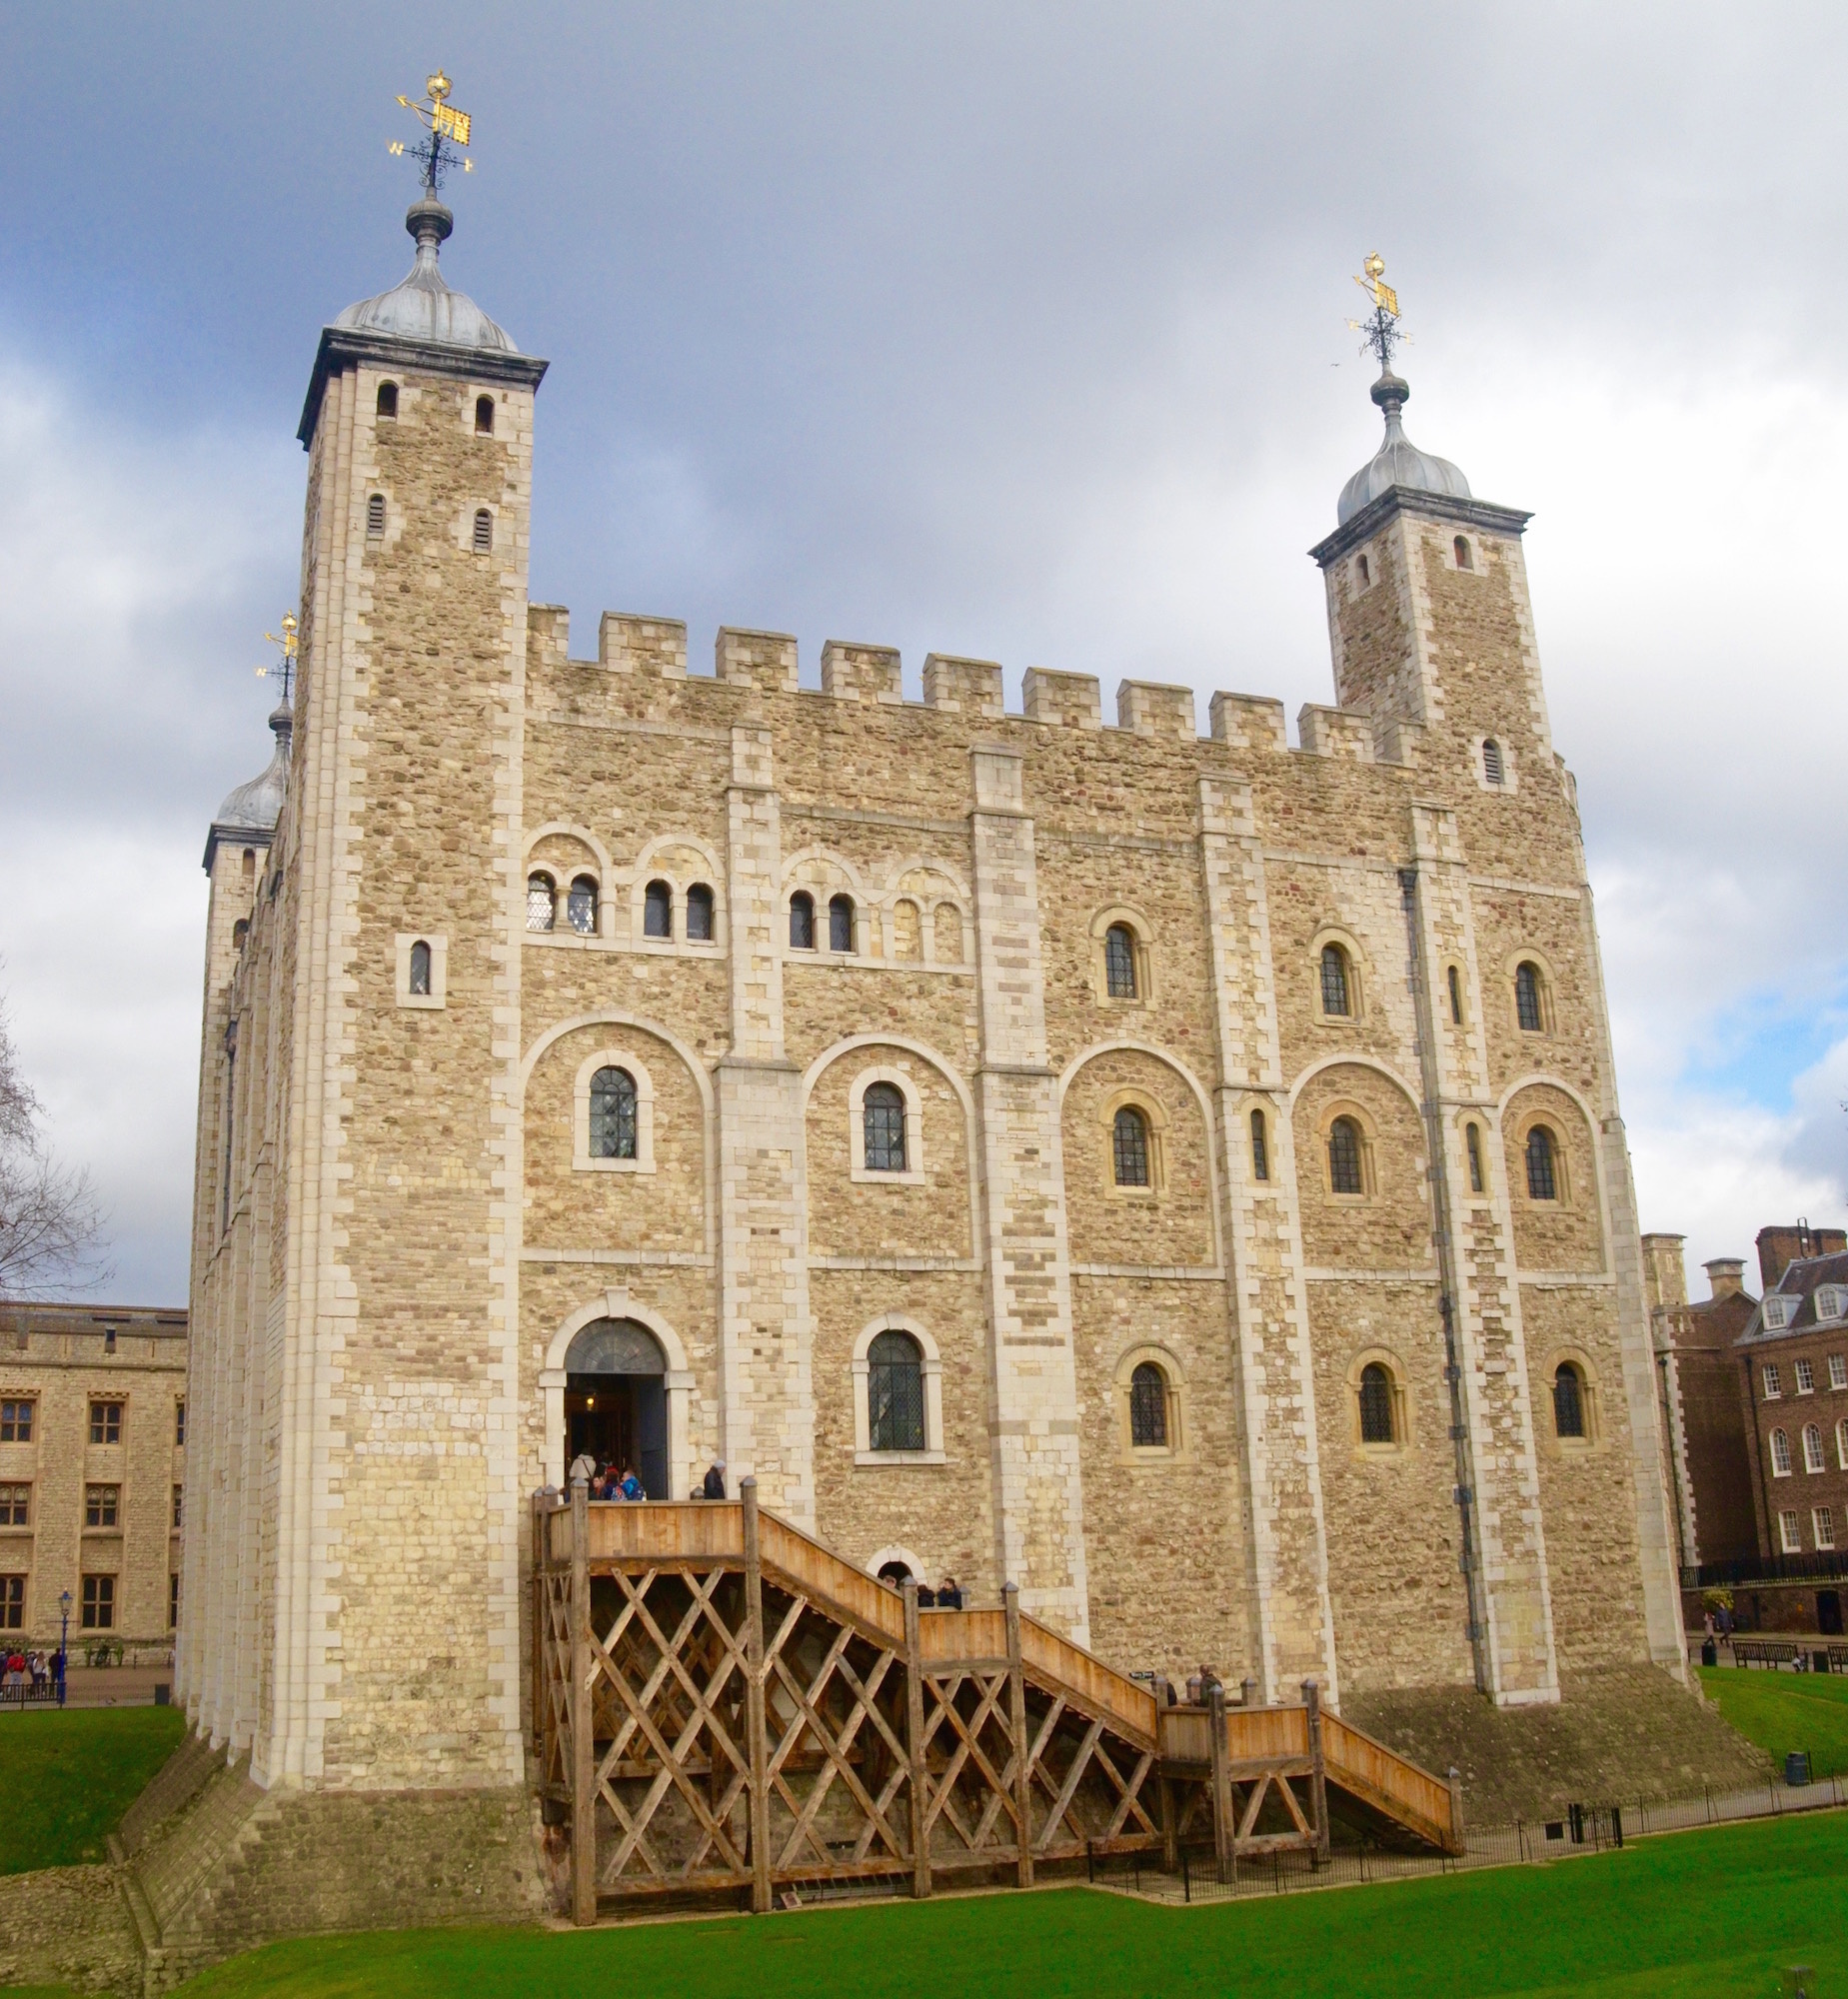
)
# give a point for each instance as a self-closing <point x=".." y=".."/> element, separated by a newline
<point x="1398" y="462"/>
<point x="423" y="307"/>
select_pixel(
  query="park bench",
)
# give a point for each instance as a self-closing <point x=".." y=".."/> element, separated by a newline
<point x="1772" y="1652"/>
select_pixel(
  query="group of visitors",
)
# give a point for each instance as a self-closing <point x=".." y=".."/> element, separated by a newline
<point x="947" y="1596"/>
<point x="605" y="1481"/>
<point x="22" y="1669"/>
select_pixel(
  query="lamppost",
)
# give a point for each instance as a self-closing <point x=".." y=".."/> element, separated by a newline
<point x="64" y="1639"/>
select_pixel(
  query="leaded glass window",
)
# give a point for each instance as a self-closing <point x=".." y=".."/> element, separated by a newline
<point x="580" y="906"/>
<point x="1527" y="999"/>
<point x="841" y="924"/>
<point x="1568" y="1402"/>
<point x="1375" y="1405"/>
<point x="1335" y="980"/>
<point x="1473" y="1140"/>
<point x="613" y="1115"/>
<point x="657" y="910"/>
<point x="894" y="1393"/>
<point x="882" y="1127"/>
<point x="1542" y="1176"/>
<point x="1120" y="961"/>
<point x="1148" y="1407"/>
<point x="420" y="971"/>
<point x="541" y="913"/>
<point x="1344" y="1156"/>
<point x="699" y="913"/>
<point x="801" y="922"/>
<point x="1129" y="1148"/>
<point x="1457" y="997"/>
<point x="1260" y="1152"/>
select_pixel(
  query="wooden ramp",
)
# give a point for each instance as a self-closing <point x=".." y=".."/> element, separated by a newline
<point x="731" y="1709"/>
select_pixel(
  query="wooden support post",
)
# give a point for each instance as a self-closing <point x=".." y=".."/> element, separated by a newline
<point x="755" y="1729"/>
<point x="1224" y="1820"/>
<point x="1456" y="1809"/>
<point x="583" y="1706"/>
<point x="1170" y="1820"/>
<point x="1247" y="1692"/>
<point x="1318" y="1770"/>
<point x="535" y="1605"/>
<point x="914" y="1742"/>
<point x="1017" y="1706"/>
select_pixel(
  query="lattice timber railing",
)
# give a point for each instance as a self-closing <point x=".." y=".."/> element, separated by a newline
<point x="733" y="1710"/>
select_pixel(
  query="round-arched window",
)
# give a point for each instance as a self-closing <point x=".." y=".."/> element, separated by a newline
<point x="540" y="911"/>
<point x="699" y="913"/>
<point x="801" y="921"/>
<point x="420" y="971"/>
<point x="1129" y="1148"/>
<point x="1568" y="1402"/>
<point x="1335" y="997"/>
<point x="1375" y="1405"/>
<point x="613" y="1115"/>
<point x="1527" y="1007"/>
<point x="1148" y="1407"/>
<point x="1345" y="1175"/>
<point x="581" y="905"/>
<point x="883" y="1129"/>
<point x="1120" y="961"/>
<point x="841" y="923"/>
<point x="894" y="1393"/>
<point x="1543" y="1165"/>
<point x="657" y="910"/>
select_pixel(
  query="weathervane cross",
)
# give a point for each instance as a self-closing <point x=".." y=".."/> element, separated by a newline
<point x="1380" y="329"/>
<point x="284" y="663"/>
<point x="446" y="128"/>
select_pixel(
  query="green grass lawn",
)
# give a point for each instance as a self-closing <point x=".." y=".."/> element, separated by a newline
<point x="1714" y="1913"/>
<point x="1785" y="1711"/>
<point x="67" y="1777"/>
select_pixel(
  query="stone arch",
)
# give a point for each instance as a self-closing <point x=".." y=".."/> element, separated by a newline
<point x="1388" y="1225"/>
<point x="570" y="830"/>
<point x="1575" y="1233"/>
<point x="931" y="1360"/>
<point x="676" y="1379"/>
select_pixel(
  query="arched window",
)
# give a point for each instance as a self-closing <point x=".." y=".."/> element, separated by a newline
<point x="540" y="911"/>
<point x="1472" y="1140"/>
<point x="906" y="929"/>
<point x="388" y="398"/>
<point x="1334" y="980"/>
<point x="1465" y="555"/>
<point x="581" y="905"/>
<point x="1375" y="1405"/>
<point x="1345" y="1157"/>
<point x="484" y="532"/>
<point x="947" y="934"/>
<point x="418" y="980"/>
<point x="1456" y="998"/>
<point x="1543" y="1165"/>
<point x="1491" y="762"/>
<point x="841" y="923"/>
<point x="1129" y="1148"/>
<point x="1813" y="1459"/>
<point x="894" y="1393"/>
<point x="1367" y="574"/>
<point x="1780" y="1454"/>
<point x="699" y="913"/>
<point x="239" y="932"/>
<point x="1148" y="1407"/>
<point x="801" y="922"/>
<point x="484" y="416"/>
<point x="1260" y="1152"/>
<point x="657" y="910"/>
<point x="1120" y="961"/>
<point x="1568" y="1402"/>
<point x="1527" y="997"/>
<point x="613" y="1115"/>
<point x="881" y="1114"/>
<point x="375" y="515"/>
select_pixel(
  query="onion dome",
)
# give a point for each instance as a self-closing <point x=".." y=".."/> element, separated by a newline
<point x="1398" y="462"/>
<point x="254" y="808"/>
<point x="423" y="307"/>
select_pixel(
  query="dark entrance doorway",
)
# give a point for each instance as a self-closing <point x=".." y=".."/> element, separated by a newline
<point x="615" y="1401"/>
<point x="1829" y="1612"/>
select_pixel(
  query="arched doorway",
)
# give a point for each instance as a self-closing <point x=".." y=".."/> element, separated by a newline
<point x="615" y="1401"/>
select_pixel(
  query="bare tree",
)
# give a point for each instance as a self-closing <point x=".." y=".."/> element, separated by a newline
<point x="49" y="1217"/>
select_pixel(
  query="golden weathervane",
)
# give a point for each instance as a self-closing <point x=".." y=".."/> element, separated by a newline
<point x="1380" y="329"/>
<point x="448" y="133"/>
<point x="283" y="662"/>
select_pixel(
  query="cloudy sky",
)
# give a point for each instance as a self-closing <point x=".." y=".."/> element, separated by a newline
<point x="991" y="329"/>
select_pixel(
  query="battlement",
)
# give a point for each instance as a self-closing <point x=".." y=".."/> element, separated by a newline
<point x="861" y="673"/>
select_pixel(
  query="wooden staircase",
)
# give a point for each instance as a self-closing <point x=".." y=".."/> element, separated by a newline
<point x="729" y="1708"/>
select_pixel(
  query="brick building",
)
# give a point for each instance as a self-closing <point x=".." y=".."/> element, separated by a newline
<point x="92" y="1473"/>
<point x="1181" y="1175"/>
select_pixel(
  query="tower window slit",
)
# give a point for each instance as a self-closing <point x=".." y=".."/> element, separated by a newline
<point x="484" y="532"/>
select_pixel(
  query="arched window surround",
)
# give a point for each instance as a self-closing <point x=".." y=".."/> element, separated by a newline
<point x="1353" y="966"/>
<point x="1544" y="992"/>
<point x="686" y="1448"/>
<point x="437" y="997"/>
<point x="930" y="1364"/>
<point x="1178" y="1447"/>
<point x="385" y="404"/>
<point x="1483" y="765"/>
<point x="1363" y="1125"/>
<point x="1154" y="1125"/>
<point x="1401" y="1403"/>
<point x="1464" y="556"/>
<point x="480" y="531"/>
<point x="1591" y="1401"/>
<point x="484" y="416"/>
<point x="857" y="1170"/>
<point x="541" y="919"/>
<point x="581" y="1159"/>
<point x="684" y="861"/>
<point x="1141" y="931"/>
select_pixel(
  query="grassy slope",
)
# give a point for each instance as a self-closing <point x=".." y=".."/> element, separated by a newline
<point x="1785" y="1711"/>
<point x="66" y="1778"/>
<point x="1714" y="1913"/>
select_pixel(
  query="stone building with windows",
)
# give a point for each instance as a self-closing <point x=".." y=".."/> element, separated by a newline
<point x="92" y="1475"/>
<point x="1181" y="1175"/>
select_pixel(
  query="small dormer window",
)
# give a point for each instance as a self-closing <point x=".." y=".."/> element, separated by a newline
<point x="484" y="416"/>
<point x="484" y="532"/>
<point x="388" y="400"/>
<point x="1830" y="1300"/>
<point x="375" y="517"/>
<point x="1492" y="773"/>
<point x="1778" y="1312"/>
<point x="1465" y="555"/>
